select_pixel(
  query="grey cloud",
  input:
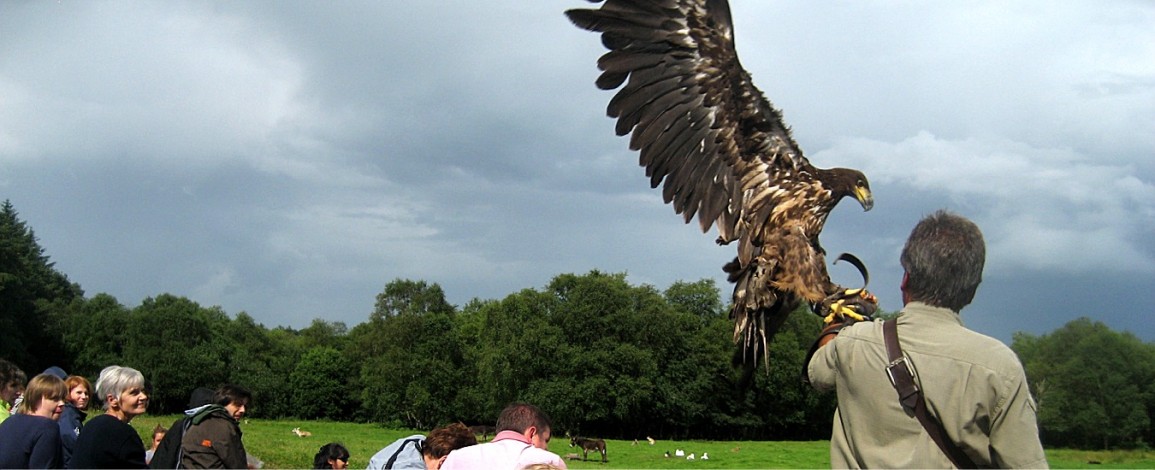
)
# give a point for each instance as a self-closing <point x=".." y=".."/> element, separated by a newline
<point x="289" y="159"/>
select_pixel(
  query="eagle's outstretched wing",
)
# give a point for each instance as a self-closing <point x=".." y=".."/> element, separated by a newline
<point x="720" y="150"/>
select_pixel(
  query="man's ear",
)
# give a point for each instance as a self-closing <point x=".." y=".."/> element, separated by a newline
<point x="902" y="287"/>
<point x="530" y="432"/>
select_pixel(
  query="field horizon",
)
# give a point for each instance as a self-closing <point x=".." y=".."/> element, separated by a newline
<point x="273" y="442"/>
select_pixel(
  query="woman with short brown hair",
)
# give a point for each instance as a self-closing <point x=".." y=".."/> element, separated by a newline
<point x="30" y="436"/>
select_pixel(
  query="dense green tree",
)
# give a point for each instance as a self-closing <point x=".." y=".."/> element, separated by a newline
<point x="1085" y="376"/>
<point x="261" y="361"/>
<point x="699" y="298"/>
<point x="179" y="346"/>
<point x="693" y="372"/>
<point x="610" y="376"/>
<point x="600" y="355"/>
<point x="271" y="387"/>
<point x="31" y="293"/>
<point x="607" y="358"/>
<point x="789" y="408"/>
<point x="412" y="358"/>
<point x="516" y="345"/>
<point x="400" y="296"/>
<point x="471" y="402"/>
<point x="94" y="333"/>
<point x="319" y="385"/>
<point x="406" y="296"/>
<point x="324" y="333"/>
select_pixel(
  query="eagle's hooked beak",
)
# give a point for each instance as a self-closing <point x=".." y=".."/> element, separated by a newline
<point x="862" y="193"/>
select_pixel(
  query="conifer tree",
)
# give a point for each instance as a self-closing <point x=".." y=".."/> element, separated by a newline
<point x="30" y="290"/>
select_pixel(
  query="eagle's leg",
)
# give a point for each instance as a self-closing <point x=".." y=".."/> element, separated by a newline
<point x="854" y="304"/>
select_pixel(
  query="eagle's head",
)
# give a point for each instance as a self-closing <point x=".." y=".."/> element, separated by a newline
<point x="847" y="182"/>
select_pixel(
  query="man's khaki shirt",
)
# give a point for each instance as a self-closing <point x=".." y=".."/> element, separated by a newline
<point x="973" y="384"/>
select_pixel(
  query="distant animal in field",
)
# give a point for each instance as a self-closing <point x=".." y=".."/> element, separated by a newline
<point x="301" y="433"/>
<point x="667" y="454"/>
<point x="589" y="444"/>
<point x="705" y="456"/>
<point x="690" y="457"/>
<point x="652" y="441"/>
<point x="483" y="430"/>
<point x="679" y="453"/>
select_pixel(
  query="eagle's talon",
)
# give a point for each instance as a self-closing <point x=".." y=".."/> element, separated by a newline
<point x="849" y="305"/>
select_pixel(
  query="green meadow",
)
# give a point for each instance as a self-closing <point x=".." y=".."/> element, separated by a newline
<point x="275" y="444"/>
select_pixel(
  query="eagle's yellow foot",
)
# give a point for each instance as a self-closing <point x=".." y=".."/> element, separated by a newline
<point x="850" y="305"/>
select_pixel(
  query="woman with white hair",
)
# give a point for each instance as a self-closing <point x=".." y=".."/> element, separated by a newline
<point x="108" y="441"/>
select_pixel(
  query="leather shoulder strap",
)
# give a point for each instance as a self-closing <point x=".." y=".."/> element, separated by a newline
<point x="898" y="369"/>
<point x="911" y="396"/>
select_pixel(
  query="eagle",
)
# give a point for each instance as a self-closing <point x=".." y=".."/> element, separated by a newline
<point x="722" y="154"/>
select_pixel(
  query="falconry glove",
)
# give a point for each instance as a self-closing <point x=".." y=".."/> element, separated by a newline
<point x="845" y="308"/>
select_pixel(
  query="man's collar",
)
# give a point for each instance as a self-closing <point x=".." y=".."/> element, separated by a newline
<point x="514" y="435"/>
<point x="922" y="310"/>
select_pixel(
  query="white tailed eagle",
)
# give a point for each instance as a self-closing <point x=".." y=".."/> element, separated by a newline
<point x="722" y="154"/>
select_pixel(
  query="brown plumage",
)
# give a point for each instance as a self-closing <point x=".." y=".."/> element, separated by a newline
<point x="721" y="153"/>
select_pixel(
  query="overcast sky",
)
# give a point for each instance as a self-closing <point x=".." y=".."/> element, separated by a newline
<point x="288" y="159"/>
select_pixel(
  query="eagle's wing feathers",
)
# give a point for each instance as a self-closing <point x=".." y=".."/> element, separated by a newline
<point x="720" y="152"/>
<point x="703" y="129"/>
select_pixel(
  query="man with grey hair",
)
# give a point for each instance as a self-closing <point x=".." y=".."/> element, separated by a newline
<point x="972" y="384"/>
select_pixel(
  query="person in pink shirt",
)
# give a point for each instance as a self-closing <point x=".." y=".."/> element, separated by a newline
<point x="522" y="439"/>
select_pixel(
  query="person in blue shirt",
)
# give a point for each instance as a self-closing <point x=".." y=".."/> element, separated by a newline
<point x="72" y="419"/>
<point x="31" y="437"/>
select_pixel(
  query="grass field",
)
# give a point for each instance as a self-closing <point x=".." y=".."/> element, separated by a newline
<point x="275" y="444"/>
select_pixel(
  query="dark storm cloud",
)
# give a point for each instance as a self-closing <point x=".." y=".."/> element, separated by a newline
<point x="290" y="158"/>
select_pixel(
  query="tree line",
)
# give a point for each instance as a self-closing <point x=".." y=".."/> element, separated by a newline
<point x="601" y="356"/>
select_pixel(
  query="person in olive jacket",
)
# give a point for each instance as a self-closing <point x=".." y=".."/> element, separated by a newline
<point x="213" y="438"/>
